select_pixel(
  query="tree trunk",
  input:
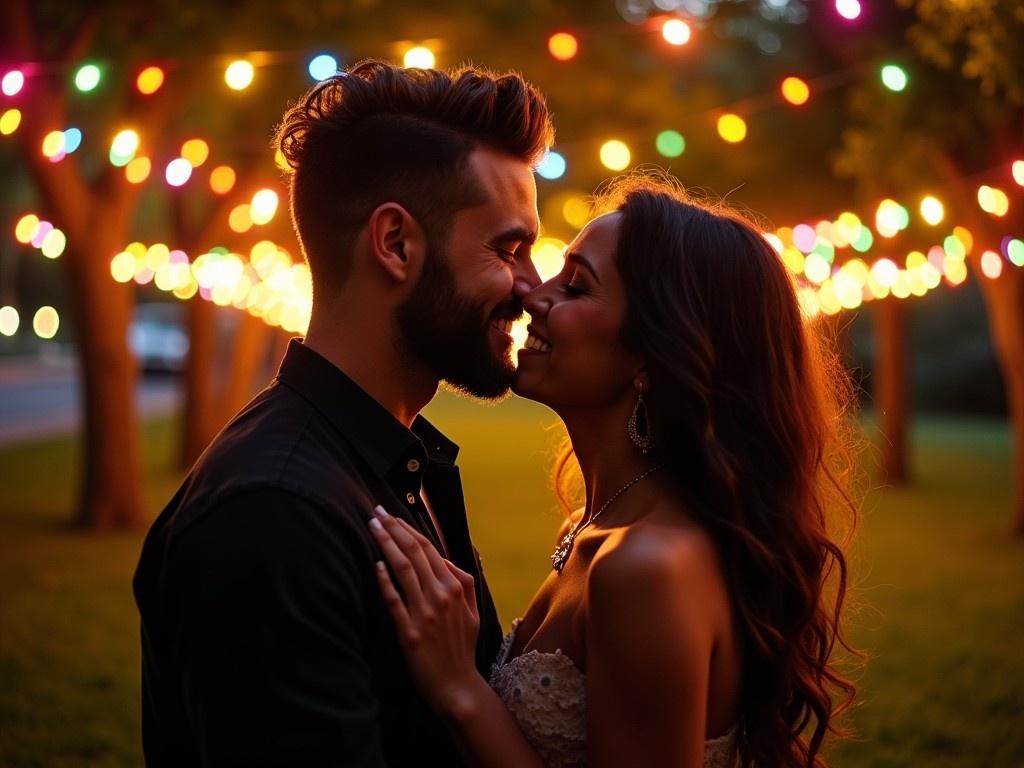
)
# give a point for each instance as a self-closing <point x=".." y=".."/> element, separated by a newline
<point x="1004" y="299"/>
<point x="109" y="486"/>
<point x="199" y="418"/>
<point x="889" y="387"/>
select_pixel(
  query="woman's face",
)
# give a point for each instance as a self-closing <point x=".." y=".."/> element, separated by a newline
<point x="574" y="358"/>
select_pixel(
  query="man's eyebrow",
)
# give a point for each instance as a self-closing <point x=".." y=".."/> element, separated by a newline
<point x="578" y="258"/>
<point x="516" y="234"/>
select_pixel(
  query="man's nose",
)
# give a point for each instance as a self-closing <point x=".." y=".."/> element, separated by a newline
<point x="525" y="277"/>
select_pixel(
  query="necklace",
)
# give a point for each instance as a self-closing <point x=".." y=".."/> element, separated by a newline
<point x="561" y="553"/>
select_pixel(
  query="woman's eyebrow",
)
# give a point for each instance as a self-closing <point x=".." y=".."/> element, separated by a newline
<point x="578" y="258"/>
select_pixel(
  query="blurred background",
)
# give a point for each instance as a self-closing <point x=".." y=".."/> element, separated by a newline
<point x="150" y="279"/>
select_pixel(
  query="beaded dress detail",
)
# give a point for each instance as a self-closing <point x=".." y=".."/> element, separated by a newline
<point x="546" y="693"/>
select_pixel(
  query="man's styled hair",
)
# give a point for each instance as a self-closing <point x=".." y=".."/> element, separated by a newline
<point x="381" y="133"/>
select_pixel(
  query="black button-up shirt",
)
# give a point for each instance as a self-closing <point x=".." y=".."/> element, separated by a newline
<point x="265" y="640"/>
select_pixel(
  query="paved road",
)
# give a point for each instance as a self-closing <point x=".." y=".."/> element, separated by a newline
<point x="39" y="397"/>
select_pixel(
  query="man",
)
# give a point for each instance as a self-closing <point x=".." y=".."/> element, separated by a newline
<point x="265" y="640"/>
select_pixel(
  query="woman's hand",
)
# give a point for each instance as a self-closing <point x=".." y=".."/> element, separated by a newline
<point x="437" y="619"/>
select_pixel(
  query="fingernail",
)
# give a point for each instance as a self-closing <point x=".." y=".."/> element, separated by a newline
<point x="380" y="566"/>
<point x="380" y="511"/>
<point x="375" y="524"/>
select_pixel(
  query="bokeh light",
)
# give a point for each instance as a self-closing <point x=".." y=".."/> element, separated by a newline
<point x="615" y="155"/>
<point x="551" y="166"/>
<point x="195" y="151"/>
<point x="53" y="244"/>
<point x="149" y="80"/>
<point x="1018" y="171"/>
<point x="239" y="74"/>
<point x="894" y="77"/>
<point x="676" y="32"/>
<point x="178" y="172"/>
<point x="138" y="170"/>
<point x="263" y="206"/>
<point x="53" y="144"/>
<point x="795" y="91"/>
<point x="26" y="228"/>
<point x="323" y="66"/>
<point x="46" y="322"/>
<point x="848" y="9"/>
<point x="9" y="321"/>
<point x="222" y="179"/>
<point x="72" y="139"/>
<point x="239" y="220"/>
<point x="993" y="200"/>
<point x="991" y="264"/>
<point x="87" y="77"/>
<point x="670" y="143"/>
<point x="419" y="57"/>
<point x="123" y="147"/>
<point x="563" y="46"/>
<point x="732" y="128"/>
<point x="12" y="82"/>
<point x="932" y="210"/>
<point x="9" y="121"/>
<point x="548" y="256"/>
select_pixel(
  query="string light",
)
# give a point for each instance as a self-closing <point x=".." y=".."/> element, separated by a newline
<point x="732" y="128"/>
<point x="195" y="151"/>
<point x="12" y="82"/>
<point x="894" y="77"/>
<point x="991" y="265"/>
<point x="419" y="57"/>
<point x="123" y="147"/>
<point x="615" y="155"/>
<point x="848" y="9"/>
<point x="263" y="206"/>
<point x="178" y="172"/>
<point x="9" y="321"/>
<point x="932" y="210"/>
<point x="46" y="322"/>
<point x="676" y="32"/>
<point x="1018" y="171"/>
<point x="138" y="170"/>
<point x="9" y="121"/>
<point x="795" y="91"/>
<point x="149" y="80"/>
<point x="87" y="77"/>
<point x="239" y="74"/>
<point x="323" y="66"/>
<point x="670" y="143"/>
<point x="551" y="166"/>
<point x="993" y="200"/>
<point x="222" y="179"/>
<point x="563" y="46"/>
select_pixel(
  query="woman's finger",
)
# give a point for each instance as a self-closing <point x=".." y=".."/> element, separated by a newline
<point x="395" y="604"/>
<point x="466" y="583"/>
<point x="401" y="565"/>
<point x="437" y="563"/>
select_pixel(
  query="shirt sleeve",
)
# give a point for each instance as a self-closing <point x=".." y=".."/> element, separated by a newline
<point x="271" y="641"/>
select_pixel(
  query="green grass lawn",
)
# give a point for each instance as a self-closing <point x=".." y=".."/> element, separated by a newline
<point x="940" y="591"/>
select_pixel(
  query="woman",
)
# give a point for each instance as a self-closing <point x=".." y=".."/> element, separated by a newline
<point x="693" y="604"/>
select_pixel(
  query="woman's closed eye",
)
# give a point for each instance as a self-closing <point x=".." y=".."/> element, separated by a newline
<point x="573" y="288"/>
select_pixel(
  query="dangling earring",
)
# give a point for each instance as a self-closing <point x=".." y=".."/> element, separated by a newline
<point x="639" y="426"/>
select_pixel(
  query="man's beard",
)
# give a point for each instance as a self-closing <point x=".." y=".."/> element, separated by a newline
<point x="450" y="335"/>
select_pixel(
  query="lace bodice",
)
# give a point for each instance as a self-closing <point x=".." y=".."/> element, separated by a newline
<point x="546" y="693"/>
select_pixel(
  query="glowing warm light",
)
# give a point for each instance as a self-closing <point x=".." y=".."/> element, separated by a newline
<point x="178" y="171"/>
<point x="12" y="82"/>
<point x="9" y="121"/>
<point x="1018" y="171"/>
<point x="195" y="151"/>
<point x="548" y="256"/>
<point x="26" y="228"/>
<point x="138" y="170"/>
<point x="775" y="242"/>
<point x="9" y="321"/>
<point x="123" y="147"/>
<point x="991" y="264"/>
<point x="615" y="155"/>
<point x="149" y="80"/>
<point x="46" y="322"/>
<point x="323" y="66"/>
<point x="894" y="77"/>
<point x="239" y="219"/>
<point x="816" y="269"/>
<point x="551" y="166"/>
<point x="53" y="244"/>
<point x="576" y="211"/>
<point x="676" y="32"/>
<point x="222" y="179"/>
<point x="263" y="206"/>
<point x="890" y="218"/>
<point x="848" y="9"/>
<point x="87" y="77"/>
<point x="239" y="74"/>
<point x="932" y="210"/>
<point x="419" y="57"/>
<point x="795" y="91"/>
<point x="804" y="237"/>
<point x="670" y="143"/>
<point x="40" y="234"/>
<point x="53" y="144"/>
<point x="732" y="128"/>
<point x="563" y="46"/>
<point x="993" y="200"/>
<point x="794" y="260"/>
<point x="964" y="236"/>
<point x="122" y="267"/>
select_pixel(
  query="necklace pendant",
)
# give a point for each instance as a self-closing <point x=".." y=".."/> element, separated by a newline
<point x="561" y="553"/>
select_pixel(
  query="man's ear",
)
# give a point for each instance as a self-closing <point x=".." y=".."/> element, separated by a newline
<point x="397" y="242"/>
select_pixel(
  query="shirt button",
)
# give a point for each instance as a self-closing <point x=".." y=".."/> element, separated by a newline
<point x="413" y="465"/>
<point x="410" y="498"/>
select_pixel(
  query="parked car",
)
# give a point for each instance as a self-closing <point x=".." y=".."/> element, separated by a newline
<point x="158" y="338"/>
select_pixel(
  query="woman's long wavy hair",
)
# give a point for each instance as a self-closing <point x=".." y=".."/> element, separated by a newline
<point x="750" y="410"/>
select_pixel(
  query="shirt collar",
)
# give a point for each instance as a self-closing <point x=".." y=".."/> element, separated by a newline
<point x="381" y="439"/>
